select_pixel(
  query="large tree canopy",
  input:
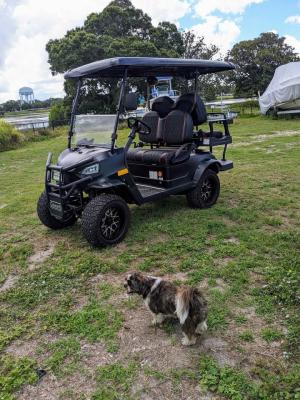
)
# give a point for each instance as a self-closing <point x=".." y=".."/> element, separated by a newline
<point x="256" y="61"/>
<point x="120" y="30"/>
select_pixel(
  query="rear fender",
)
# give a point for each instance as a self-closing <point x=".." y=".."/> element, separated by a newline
<point x="210" y="164"/>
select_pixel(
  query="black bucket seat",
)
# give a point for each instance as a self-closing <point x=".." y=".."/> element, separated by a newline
<point x="175" y="128"/>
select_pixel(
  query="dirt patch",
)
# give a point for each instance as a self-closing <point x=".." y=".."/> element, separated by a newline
<point x="9" y="283"/>
<point x="177" y="276"/>
<point x="22" y="348"/>
<point x="221" y="285"/>
<point x="233" y="240"/>
<point x="220" y="350"/>
<point x="30" y="348"/>
<point x="222" y="262"/>
<point x="160" y="238"/>
<point x="149" y="388"/>
<point x="154" y="347"/>
<point x="258" y="348"/>
<point x="262" y="138"/>
<point x="40" y="256"/>
<point x="51" y="388"/>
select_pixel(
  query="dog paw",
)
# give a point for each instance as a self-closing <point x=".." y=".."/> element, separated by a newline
<point x="158" y="319"/>
<point x="188" y="342"/>
<point x="202" y="327"/>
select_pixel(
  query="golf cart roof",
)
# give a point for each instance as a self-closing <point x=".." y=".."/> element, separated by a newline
<point x="148" y="66"/>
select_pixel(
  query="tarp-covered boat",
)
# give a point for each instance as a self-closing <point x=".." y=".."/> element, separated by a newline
<point x="283" y="92"/>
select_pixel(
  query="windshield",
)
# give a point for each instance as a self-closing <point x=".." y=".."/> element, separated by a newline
<point x="93" y="129"/>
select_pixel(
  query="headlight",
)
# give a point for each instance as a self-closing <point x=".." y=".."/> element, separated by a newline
<point x="55" y="175"/>
<point x="91" y="169"/>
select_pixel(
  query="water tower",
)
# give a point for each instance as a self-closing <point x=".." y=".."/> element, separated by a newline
<point x="26" y="95"/>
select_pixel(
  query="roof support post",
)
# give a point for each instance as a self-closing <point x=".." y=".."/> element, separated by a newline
<point x="73" y="112"/>
<point x="120" y="109"/>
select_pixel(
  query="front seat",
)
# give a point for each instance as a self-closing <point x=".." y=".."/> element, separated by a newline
<point x="160" y="109"/>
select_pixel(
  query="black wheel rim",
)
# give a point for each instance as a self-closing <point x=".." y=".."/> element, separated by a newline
<point x="207" y="190"/>
<point x="112" y="223"/>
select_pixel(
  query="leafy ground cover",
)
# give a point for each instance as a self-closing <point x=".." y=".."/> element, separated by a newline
<point x="68" y="330"/>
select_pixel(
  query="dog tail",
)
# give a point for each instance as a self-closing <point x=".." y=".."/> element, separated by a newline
<point x="187" y="299"/>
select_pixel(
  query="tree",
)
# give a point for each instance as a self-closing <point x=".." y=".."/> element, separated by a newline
<point x="119" y="19"/>
<point x="119" y="30"/>
<point x="256" y="61"/>
<point x="167" y="34"/>
<point x="195" y="47"/>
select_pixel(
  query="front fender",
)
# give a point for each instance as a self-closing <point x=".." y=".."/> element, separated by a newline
<point x="124" y="187"/>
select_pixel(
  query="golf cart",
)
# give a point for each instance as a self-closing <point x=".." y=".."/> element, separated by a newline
<point x="167" y="153"/>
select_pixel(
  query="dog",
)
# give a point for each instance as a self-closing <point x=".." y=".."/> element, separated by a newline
<point x="164" y="299"/>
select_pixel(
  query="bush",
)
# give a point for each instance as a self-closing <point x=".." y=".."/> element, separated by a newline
<point x="59" y="114"/>
<point x="9" y="136"/>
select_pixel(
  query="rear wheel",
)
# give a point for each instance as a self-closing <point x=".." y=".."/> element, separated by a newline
<point x="207" y="191"/>
<point x="47" y="219"/>
<point x="105" y="220"/>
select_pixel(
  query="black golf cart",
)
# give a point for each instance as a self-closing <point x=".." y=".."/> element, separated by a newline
<point x="167" y="152"/>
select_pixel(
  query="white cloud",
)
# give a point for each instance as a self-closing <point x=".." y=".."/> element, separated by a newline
<point x="36" y="22"/>
<point x="293" y="19"/>
<point x="294" y="42"/>
<point x="164" y="10"/>
<point x="218" y="31"/>
<point x="206" y="7"/>
<point x="27" y="25"/>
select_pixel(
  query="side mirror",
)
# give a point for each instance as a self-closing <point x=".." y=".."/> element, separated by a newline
<point x="131" y="102"/>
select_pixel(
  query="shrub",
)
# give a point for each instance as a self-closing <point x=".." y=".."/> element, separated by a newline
<point x="59" y="114"/>
<point x="9" y="136"/>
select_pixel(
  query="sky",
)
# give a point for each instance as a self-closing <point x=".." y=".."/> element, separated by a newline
<point x="27" y="25"/>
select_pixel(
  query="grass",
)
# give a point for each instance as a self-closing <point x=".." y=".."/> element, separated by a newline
<point x="65" y="356"/>
<point x="11" y="138"/>
<point x="244" y="252"/>
<point x="14" y="373"/>
<point x="114" y="379"/>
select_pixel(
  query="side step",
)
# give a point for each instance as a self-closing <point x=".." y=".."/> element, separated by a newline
<point x="147" y="190"/>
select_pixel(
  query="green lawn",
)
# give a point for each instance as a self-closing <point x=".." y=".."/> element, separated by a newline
<point x="63" y="307"/>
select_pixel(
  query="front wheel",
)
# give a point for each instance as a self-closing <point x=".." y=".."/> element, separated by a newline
<point x="105" y="220"/>
<point x="207" y="191"/>
<point x="47" y="219"/>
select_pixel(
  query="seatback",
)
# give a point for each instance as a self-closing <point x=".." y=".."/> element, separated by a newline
<point x="159" y="109"/>
<point x="177" y="127"/>
<point x="192" y="104"/>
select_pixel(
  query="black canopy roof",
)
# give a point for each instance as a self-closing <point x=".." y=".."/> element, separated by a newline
<point x="147" y="66"/>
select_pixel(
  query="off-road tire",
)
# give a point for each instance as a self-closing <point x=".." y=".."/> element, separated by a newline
<point x="47" y="219"/>
<point x="93" y="220"/>
<point x="206" y="193"/>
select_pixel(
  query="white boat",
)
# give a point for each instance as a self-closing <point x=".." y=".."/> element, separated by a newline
<point x="283" y="92"/>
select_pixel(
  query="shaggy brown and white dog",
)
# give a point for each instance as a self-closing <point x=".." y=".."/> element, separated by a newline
<point x="164" y="299"/>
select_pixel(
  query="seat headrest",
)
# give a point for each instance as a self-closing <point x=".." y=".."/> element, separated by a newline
<point x="162" y="105"/>
<point x="192" y="104"/>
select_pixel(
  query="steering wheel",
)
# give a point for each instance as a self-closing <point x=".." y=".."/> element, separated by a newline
<point x="139" y="126"/>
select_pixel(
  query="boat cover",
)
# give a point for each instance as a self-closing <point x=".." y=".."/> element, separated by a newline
<point x="283" y="88"/>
